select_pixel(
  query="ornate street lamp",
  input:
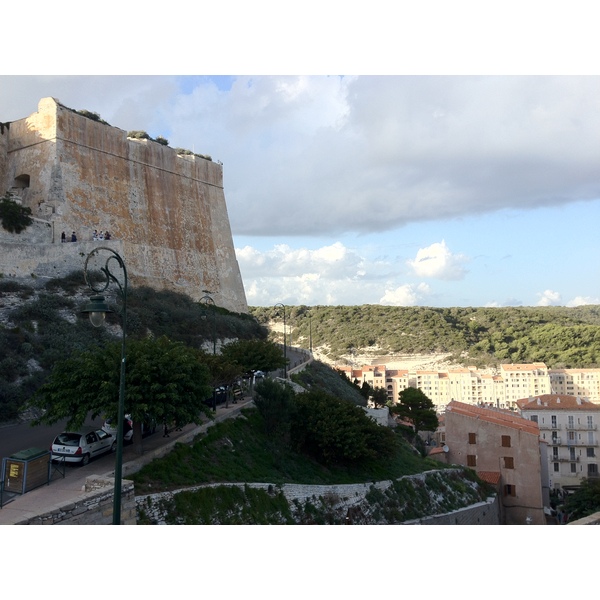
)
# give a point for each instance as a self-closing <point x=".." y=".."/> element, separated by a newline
<point x="207" y="299"/>
<point x="97" y="309"/>
<point x="284" y="342"/>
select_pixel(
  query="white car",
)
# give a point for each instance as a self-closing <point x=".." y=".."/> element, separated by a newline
<point x="80" y="446"/>
<point x="111" y="427"/>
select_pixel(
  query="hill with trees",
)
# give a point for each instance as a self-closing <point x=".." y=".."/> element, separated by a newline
<point x="559" y="336"/>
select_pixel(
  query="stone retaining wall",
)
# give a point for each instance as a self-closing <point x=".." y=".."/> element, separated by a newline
<point x="590" y="520"/>
<point x="482" y="513"/>
<point x="345" y="497"/>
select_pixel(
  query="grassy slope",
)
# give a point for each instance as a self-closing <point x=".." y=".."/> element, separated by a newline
<point x="237" y="450"/>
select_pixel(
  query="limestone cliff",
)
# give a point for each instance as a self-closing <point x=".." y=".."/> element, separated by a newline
<point x="166" y="213"/>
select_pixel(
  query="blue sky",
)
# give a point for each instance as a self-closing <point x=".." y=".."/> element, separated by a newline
<point x="419" y="188"/>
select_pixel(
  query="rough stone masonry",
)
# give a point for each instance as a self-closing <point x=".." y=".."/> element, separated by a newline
<point x="166" y="213"/>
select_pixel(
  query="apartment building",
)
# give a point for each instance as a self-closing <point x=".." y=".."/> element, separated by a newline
<point x="584" y="383"/>
<point x="524" y="380"/>
<point x="502" y="448"/>
<point x="569" y="424"/>
<point x="473" y="386"/>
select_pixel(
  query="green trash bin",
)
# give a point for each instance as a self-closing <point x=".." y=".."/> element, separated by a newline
<point x="25" y="470"/>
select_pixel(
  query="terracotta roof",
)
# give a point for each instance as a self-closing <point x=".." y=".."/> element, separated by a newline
<point x="573" y="371"/>
<point x="556" y="402"/>
<point x="526" y="367"/>
<point x="492" y="477"/>
<point x="436" y="450"/>
<point x="504" y="418"/>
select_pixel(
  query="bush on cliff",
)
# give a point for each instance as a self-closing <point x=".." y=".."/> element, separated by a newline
<point x="15" y="217"/>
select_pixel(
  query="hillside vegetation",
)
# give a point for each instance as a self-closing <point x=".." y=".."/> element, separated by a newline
<point x="41" y="324"/>
<point x="558" y="336"/>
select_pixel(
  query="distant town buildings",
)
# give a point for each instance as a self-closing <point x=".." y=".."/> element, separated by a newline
<point x="500" y="389"/>
<point x="569" y="425"/>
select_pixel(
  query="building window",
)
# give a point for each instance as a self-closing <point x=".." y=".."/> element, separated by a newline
<point x="472" y="438"/>
<point x="556" y="467"/>
<point x="593" y="469"/>
<point x="590" y="422"/>
<point x="509" y="462"/>
<point x="510" y="490"/>
<point x="571" y="421"/>
<point x="553" y="418"/>
<point x="506" y="441"/>
<point x="590" y="452"/>
<point x="555" y="453"/>
<point x="471" y="460"/>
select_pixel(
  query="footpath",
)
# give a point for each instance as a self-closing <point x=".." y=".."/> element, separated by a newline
<point x="62" y="490"/>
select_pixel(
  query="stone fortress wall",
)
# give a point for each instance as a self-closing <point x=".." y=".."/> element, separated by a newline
<point x="166" y="213"/>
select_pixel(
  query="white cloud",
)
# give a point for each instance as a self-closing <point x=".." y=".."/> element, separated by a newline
<point x="391" y="158"/>
<point x="328" y="155"/>
<point x="331" y="274"/>
<point x="582" y="300"/>
<point x="549" y="298"/>
<point x="328" y="262"/>
<point x="405" y="295"/>
<point x="436" y="261"/>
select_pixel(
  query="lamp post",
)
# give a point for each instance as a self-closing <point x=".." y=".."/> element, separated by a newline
<point x="207" y="299"/>
<point x="284" y="342"/>
<point x="97" y="309"/>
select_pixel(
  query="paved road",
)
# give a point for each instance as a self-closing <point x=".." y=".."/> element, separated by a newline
<point x="22" y="436"/>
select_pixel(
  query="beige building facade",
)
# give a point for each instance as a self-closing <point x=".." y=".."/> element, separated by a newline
<point x="569" y="425"/>
<point x="503" y="448"/>
<point x="501" y="389"/>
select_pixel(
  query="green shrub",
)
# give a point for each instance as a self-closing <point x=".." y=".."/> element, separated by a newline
<point x="91" y="115"/>
<point x="338" y="432"/>
<point x="138" y="135"/>
<point x="15" y="217"/>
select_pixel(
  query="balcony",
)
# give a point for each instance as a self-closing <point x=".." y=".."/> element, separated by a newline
<point x="581" y="427"/>
<point x="555" y="441"/>
<point x="555" y="427"/>
<point x="581" y="444"/>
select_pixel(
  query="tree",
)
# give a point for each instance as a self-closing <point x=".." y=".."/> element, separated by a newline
<point x="222" y="371"/>
<point x="276" y="404"/>
<point x="254" y="355"/>
<point x="164" y="380"/>
<point x="379" y="397"/>
<point x="584" y="501"/>
<point x="15" y="217"/>
<point x="417" y="408"/>
<point x="365" y="390"/>
<point x="335" y="431"/>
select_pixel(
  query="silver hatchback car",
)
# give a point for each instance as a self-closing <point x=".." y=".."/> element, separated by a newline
<point x="80" y="446"/>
